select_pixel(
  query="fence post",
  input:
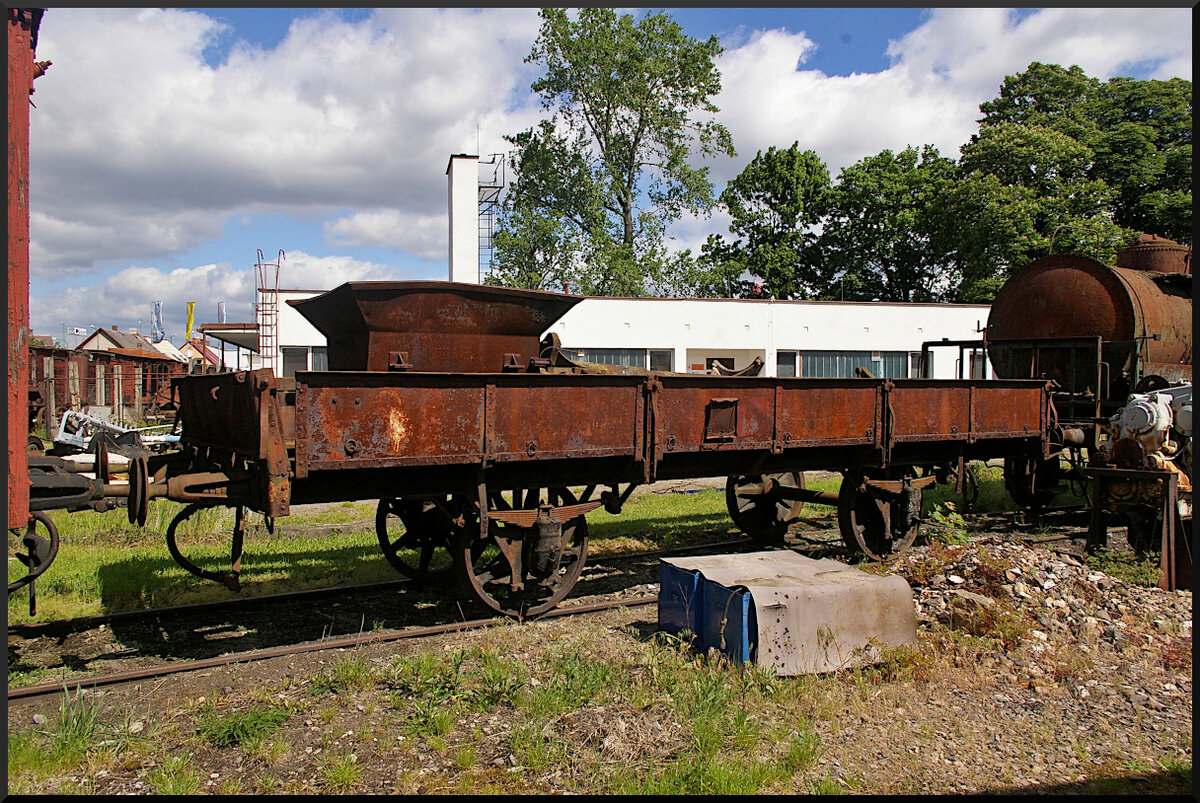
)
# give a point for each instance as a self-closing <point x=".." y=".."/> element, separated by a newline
<point x="73" y="385"/>
<point x="119" y="394"/>
<point x="48" y="396"/>
<point x="137" y="393"/>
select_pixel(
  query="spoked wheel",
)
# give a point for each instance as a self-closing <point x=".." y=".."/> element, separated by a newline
<point x="40" y="551"/>
<point x="758" y="509"/>
<point x="525" y="567"/>
<point x="416" y="537"/>
<point x="877" y="523"/>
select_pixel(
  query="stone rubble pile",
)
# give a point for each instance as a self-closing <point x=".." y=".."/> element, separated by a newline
<point x="1066" y="600"/>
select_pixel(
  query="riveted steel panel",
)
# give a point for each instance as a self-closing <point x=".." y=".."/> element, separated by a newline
<point x="922" y="410"/>
<point x="823" y="412"/>
<point x="572" y="418"/>
<point x="693" y="411"/>
<point x="376" y="420"/>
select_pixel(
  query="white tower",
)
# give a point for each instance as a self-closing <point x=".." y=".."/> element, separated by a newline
<point x="463" y="201"/>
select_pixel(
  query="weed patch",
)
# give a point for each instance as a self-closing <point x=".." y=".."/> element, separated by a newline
<point x="240" y="728"/>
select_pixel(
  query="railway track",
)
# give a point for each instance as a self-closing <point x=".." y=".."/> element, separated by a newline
<point x="200" y="636"/>
<point x="202" y="631"/>
<point x="358" y="640"/>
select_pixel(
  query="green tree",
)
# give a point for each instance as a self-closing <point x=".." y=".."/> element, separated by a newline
<point x="1143" y="146"/>
<point x="775" y="203"/>
<point x="1139" y="135"/>
<point x="1024" y="190"/>
<point x="610" y="169"/>
<point x="881" y="236"/>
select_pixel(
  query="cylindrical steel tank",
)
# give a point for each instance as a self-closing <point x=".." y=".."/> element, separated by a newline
<point x="1146" y="309"/>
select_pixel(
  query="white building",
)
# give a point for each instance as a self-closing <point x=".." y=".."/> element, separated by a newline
<point x="792" y="338"/>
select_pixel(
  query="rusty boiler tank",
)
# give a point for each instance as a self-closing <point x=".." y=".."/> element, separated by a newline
<point x="1047" y="318"/>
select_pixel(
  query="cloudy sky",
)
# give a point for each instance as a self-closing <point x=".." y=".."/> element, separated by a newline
<point x="169" y="145"/>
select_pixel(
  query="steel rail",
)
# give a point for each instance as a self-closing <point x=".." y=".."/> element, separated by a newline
<point x="358" y="640"/>
<point x="35" y="629"/>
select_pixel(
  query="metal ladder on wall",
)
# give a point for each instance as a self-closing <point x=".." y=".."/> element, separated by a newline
<point x="266" y="312"/>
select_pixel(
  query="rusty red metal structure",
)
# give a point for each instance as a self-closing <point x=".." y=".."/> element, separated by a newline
<point x="132" y="385"/>
<point x="487" y="447"/>
<point x="1097" y="330"/>
<point x="22" y="70"/>
<point x="476" y="437"/>
<point x="1105" y="334"/>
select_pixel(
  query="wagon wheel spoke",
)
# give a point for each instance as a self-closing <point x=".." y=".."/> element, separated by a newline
<point x="486" y="572"/>
<point x="877" y="525"/>
<point x="415" y="538"/>
<point x="756" y="507"/>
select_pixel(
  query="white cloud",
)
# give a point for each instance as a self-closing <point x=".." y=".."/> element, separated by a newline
<point x="126" y="298"/>
<point x="140" y="150"/>
<point x="940" y="73"/>
<point x="422" y="235"/>
<point x="137" y="140"/>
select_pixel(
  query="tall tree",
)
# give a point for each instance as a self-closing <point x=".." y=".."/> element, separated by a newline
<point x="611" y="168"/>
<point x="1139" y="135"/>
<point x="775" y="203"/>
<point x="1040" y="183"/>
<point x="1065" y="162"/>
<point x="880" y="236"/>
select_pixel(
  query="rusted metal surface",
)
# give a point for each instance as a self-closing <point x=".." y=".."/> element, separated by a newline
<point x="1160" y="489"/>
<point x="437" y="326"/>
<point x="1157" y="254"/>
<point x="1139" y="315"/>
<point x="382" y="420"/>
<point x="529" y="429"/>
<point x="966" y="410"/>
<point x="23" y="26"/>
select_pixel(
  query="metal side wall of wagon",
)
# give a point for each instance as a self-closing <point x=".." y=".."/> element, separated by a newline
<point x="709" y="426"/>
<point x="979" y="419"/>
<point x="376" y="434"/>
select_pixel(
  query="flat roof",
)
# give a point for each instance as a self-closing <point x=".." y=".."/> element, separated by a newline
<point x="242" y="335"/>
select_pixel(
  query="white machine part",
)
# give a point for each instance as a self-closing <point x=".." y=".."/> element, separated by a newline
<point x="1150" y="419"/>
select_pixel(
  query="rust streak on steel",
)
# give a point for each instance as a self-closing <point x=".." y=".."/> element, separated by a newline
<point x="22" y="42"/>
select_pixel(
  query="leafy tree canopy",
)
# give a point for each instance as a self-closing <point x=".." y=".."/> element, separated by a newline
<point x="880" y="235"/>
<point x="775" y="203"/>
<point x="610" y="168"/>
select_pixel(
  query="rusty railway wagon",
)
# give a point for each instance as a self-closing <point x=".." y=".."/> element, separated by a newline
<point x="487" y="447"/>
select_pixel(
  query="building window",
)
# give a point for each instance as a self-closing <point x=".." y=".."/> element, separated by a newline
<point x="710" y="363"/>
<point x="978" y="364"/>
<point x="914" y="365"/>
<point x="842" y="364"/>
<point x="785" y="363"/>
<point x="295" y="358"/>
<point x="662" y="360"/>
<point x="626" y="358"/>
<point x="320" y="358"/>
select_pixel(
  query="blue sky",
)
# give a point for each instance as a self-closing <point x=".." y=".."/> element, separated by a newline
<point x="169" y="144"/>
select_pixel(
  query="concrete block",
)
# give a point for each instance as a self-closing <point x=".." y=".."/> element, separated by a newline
<point x="780" y="609"/>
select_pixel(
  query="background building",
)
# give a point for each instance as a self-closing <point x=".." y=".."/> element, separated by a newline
<point x="792" y="338"/>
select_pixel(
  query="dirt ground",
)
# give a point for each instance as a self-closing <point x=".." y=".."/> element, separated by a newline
<point x="1094" y="694"/>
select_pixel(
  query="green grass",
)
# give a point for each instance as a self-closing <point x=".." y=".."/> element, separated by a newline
<point x="106" y="565"/>
<point x="1127" y="566"/>
<point x="112" y="566"/>
<point x="229" y="728"/>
